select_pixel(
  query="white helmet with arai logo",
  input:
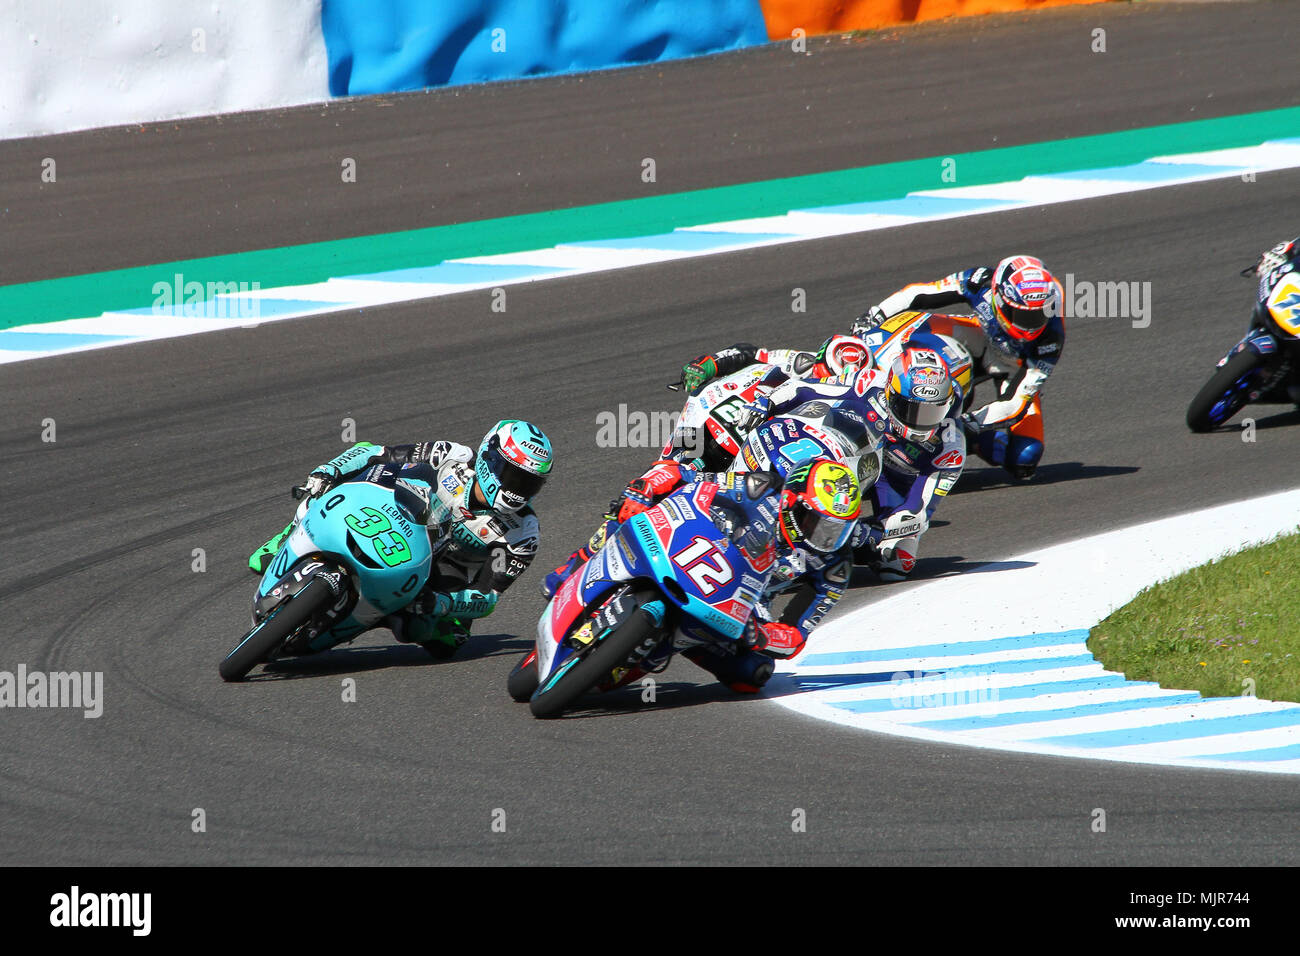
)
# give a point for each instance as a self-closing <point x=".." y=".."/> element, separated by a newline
<point x="513" y="462"/>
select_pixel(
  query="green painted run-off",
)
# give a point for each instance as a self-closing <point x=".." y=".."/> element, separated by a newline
<point x="89" y="295"/>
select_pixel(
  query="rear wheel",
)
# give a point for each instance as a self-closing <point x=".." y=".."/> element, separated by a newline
<point x="616" y="650"/>
<point x="523" y="678"/>
<point x="1225" y="393"/>
<point x="277" y="627"/>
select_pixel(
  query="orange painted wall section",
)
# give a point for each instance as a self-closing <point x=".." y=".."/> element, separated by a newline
<point x="783" y="17"/>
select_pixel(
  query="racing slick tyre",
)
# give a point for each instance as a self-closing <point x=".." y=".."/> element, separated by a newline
<point x="617" y="649"/>
<point x="276" y="628"/>
<point x="523" y="678"/>
<point x="1224" y="394"/>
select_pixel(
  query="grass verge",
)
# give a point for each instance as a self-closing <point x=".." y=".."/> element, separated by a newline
<point x="1215" y="628"/>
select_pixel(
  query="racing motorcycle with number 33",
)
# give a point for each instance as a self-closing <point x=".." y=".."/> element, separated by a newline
<point x="352" y="557"/>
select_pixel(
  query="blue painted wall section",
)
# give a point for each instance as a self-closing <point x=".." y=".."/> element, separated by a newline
<point x="379" y="46"/>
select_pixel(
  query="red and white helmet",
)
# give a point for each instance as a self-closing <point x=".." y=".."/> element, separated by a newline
<point x="1025" y="296"/>
<point x="843" y="356"/>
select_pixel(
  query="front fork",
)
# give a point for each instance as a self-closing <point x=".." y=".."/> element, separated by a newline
<point x="616" y="609"/>
<point x="293" y="581"/>
<point x="1258" y="340"/>
<point x="1273" y="371"/>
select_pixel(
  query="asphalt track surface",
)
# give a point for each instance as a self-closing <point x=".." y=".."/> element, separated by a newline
<point x="192" y="443"/>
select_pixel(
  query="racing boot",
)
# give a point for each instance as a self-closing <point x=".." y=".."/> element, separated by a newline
<point x="261" y="559"/>
<point x="451" y="633"/>
<point x="555" y="580"/>
<point x="744" y="673"/>
<point x="440" y="637"/>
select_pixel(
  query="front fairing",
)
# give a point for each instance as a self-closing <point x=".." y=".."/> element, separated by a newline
<point x="709" y="582"/>
<point x="358" y="526"/>
<point x="1283" y="307"/>
<point x="706" y="575"/>
<point x="716" y="408"/>
<point x="1258" y="339"/>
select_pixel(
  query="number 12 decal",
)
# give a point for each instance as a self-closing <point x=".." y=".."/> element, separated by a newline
<point x="704" y="564"/>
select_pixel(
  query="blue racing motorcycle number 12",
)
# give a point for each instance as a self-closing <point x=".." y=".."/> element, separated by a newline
<point x="392" y="551"/>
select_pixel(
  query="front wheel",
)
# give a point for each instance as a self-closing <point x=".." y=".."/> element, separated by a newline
<point x="575" y="679"/>
<point x="523" y="678"/>
<point x="1225" y="393"/>
<point x="277" y="627"/>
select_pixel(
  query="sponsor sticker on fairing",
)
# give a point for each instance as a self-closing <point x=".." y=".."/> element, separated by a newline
<point x="595" y="569"/>
<point x="621" y="560"/>
<point x="670" y="508"/>
<point x="704" y="495"/>
<point x="663" y="527"/>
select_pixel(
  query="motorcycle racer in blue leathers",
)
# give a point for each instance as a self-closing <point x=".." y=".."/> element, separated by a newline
<point x="921" y="463"/>
<point x="1018" y="330"/>
<point x="820" y="504"/>
<point x="911" y="411"/>
<point x="480" y="522"/>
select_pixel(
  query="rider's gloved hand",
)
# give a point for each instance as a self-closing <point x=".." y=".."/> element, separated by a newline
<point x="637" y="497"/>
<point x="970" y="423"/>
<point x="782" y="640"/>
<point x="321" y="480"/>
<point x="1278" y="255"/>
<point x="699" y="371"/>
<point x="706" y="367"/>
<point x="868" y="320"/>
<point x="753" y="414"/>
<point x="640" y="493"/>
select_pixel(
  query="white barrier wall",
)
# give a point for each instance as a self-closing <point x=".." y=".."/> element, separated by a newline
<point x="75" y="64"/>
